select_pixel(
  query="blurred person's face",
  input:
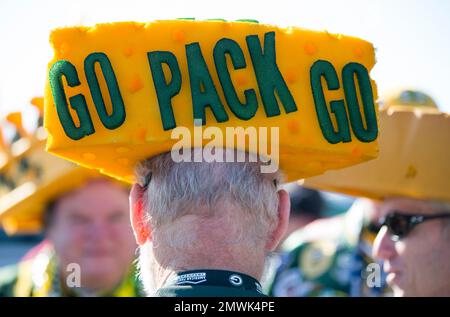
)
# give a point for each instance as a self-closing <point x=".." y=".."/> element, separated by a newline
<point x="91" y="227"/>
<point x="417" y="264"/>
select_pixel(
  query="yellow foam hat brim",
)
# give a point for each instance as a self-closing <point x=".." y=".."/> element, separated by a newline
<point x="413" y="162"/>
<point x="22" y="207"/>
<point x="22" y="211"/>
<point x="155" y="68"/>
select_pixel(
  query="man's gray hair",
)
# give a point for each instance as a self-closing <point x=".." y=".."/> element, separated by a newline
<point x="177" y="189"/>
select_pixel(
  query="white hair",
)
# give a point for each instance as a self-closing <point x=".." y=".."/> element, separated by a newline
<point x="192" y="188"/>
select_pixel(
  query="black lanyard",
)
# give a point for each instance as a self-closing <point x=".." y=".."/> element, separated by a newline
<point x="215" y="278"/>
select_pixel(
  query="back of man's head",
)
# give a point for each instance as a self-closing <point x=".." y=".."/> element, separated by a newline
<point x="218" y="215"/>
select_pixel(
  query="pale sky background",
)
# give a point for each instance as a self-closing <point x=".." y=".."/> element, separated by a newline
<point x="412" y="37"/>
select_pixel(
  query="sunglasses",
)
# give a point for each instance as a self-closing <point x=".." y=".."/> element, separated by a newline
<point x="399" y="225"/>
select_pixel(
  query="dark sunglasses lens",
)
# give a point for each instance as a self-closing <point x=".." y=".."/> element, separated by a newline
<point x="397" y="224"/>
<point x="373" y="227"/>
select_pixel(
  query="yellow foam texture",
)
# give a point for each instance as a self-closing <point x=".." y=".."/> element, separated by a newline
<point x="303" y="149"/>
<point x="413" y="161"/>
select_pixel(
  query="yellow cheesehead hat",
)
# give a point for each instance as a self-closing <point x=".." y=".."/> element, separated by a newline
<point x="413" y="162"/>
<point x="30" y="178"/>
<point x="407" y="97"/>
<point x="115" y="92"/>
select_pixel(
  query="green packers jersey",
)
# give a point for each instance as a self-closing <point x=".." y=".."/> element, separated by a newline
<point x="336" y="264"/>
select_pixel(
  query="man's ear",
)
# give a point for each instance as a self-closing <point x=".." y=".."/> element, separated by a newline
<point x="284" y="209"/>
<point x="142" y="230"/>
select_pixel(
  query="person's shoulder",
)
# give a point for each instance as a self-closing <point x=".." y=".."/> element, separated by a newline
<point x="307" y="264"/>
<point x="8" y="279"/>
